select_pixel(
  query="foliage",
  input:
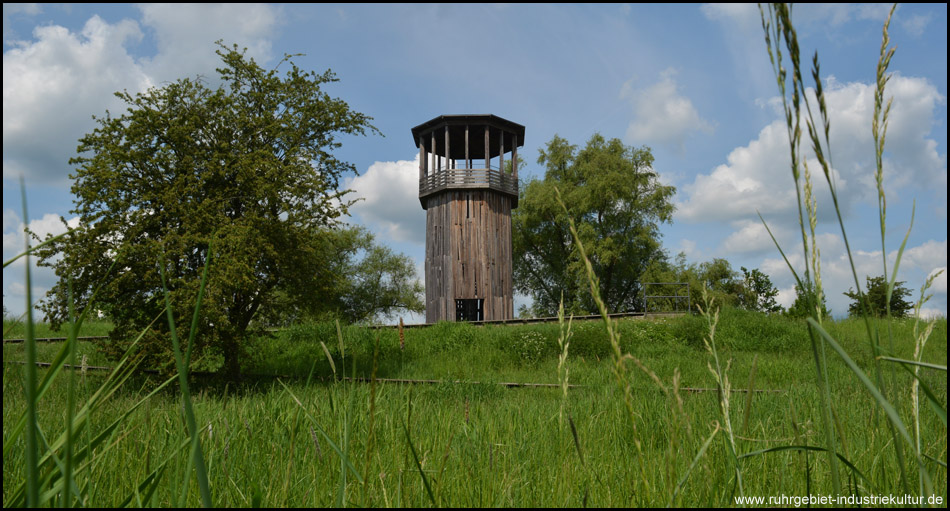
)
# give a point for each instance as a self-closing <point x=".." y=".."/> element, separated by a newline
<point x="758" y="293"/>
<point x="876" y="302"/>
<point x="369" y="282"/>
<point x="246" y="168"/>
<point x="805" y="306"/>
<point x="749" y="290"/>
<point x="380" y="284"/>
<point x="618" y="203"/>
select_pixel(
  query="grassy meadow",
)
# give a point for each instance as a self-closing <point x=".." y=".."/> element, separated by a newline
<point x="311" y="438"/>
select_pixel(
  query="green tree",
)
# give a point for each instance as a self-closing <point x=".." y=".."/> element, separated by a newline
<point x="380" y="284"/>
<point x="366" y="282"/>
<point x="246" y="168"/>
<point x="876" y="299"/>
<point x="615" y="197"/>
<point x="804" y="304"/>
<point x="758" y="293"/>
<point x="722" y="283"/>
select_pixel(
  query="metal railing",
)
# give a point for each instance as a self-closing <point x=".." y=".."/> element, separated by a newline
<point x="667" y="302"/>
<point x="468" y="178"/>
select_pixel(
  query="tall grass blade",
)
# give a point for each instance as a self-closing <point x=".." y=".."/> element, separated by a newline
<point x="81" y="422"/>
<point x="415" y="457"/>
<point x="748" y="401"/>
<point x="197" y="456"/>
<point x="692" y="465"/>
<point x="932" y="400"/>
<point x="150" y="483"/>
<point x="914" y="363"/>
<point x="372" y="422"/>
<point x="347" y="414"/>
<point x="70" y="400"/>
<point x="29" y="385"/>
<point x="201" y="294"/>
<point x="935" y="460"/>
<point x="339" y="338"/>
<point x="807" y="448"/>
<point x="619" y="367"/>
<point x="722" y="384"/>
<point x="788" y="263"/>
<point x="577" y="440"/>
<point x="55" y="368"/>
<point x="329" y="357"/>
<point x="323" y="433"/>
<point x="563" y="372"/>
<point x="892" y="414"/>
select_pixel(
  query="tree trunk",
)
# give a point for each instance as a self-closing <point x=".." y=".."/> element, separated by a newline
<point x="232" y="358"/>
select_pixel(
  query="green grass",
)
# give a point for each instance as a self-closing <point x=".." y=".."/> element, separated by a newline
<point x="511" y="451"/>
<point x="14" y="329"/>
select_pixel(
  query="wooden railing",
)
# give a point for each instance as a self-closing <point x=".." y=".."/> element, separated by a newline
<point x="468" y="178"/>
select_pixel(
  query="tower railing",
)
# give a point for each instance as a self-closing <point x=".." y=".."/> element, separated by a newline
<point x="468" y="178"/>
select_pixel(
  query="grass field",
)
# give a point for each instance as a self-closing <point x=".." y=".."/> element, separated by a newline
<point x="483" y="444"/>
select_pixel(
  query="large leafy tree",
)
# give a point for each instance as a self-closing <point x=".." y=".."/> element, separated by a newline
<point x="751" y="290"/>
<point x="757" y="292"/>
<point x="246" y="168"/>
<point x="370" y="282"/>
<point x="613" y="194"/>
<point x="806" y="303"/>
<point x="876" y="302"/>
<point x="380" y="284"/>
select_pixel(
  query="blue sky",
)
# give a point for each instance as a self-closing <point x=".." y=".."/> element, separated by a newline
<point x="693" y="82"/>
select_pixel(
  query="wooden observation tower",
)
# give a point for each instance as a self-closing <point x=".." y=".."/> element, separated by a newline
<point x="468" y="194"/>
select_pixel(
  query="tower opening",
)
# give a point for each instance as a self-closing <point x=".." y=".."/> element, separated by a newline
<point x="470" y="309"/>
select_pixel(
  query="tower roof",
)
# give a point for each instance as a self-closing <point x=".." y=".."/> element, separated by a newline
<point x="456" y="125"/>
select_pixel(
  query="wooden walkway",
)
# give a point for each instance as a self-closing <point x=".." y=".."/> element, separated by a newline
<point x="404" y="381"/>
<point x="515" y="321"/>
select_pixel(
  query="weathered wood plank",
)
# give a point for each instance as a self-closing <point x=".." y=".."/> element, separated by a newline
<point x="514" y="156"/>
<point x="468" y="226"/>
<point x="501" y="150"/>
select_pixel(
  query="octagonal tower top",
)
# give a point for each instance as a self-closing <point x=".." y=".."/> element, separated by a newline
<point x="468" y="152"/>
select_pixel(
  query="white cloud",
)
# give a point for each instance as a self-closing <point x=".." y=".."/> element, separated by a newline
<point x="687" y="247"/>
<point x="756" y="177"/>
<point x="837" y="277"/>
<point x="12" y="233"/>
<point x="927" y="257"/>
<point x="42" y="279"/>
<point x="916" y="24"/>
<point x="661" y="115"/>
<point x="820" y="16"/>
<point x="54" y="83"/>
<point x="14" y="240"/>
<point x="786" y="296"/>
<point x="939" y="284"/>
<point x="390" y="190"/>
<point x="186" y="34"/>
<point x="752" y="238"/>
<point x="10" y="10"/>
<point x="52" y="86"/>
<point x="742" y="15"/>
<point x="930" y="313"/>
